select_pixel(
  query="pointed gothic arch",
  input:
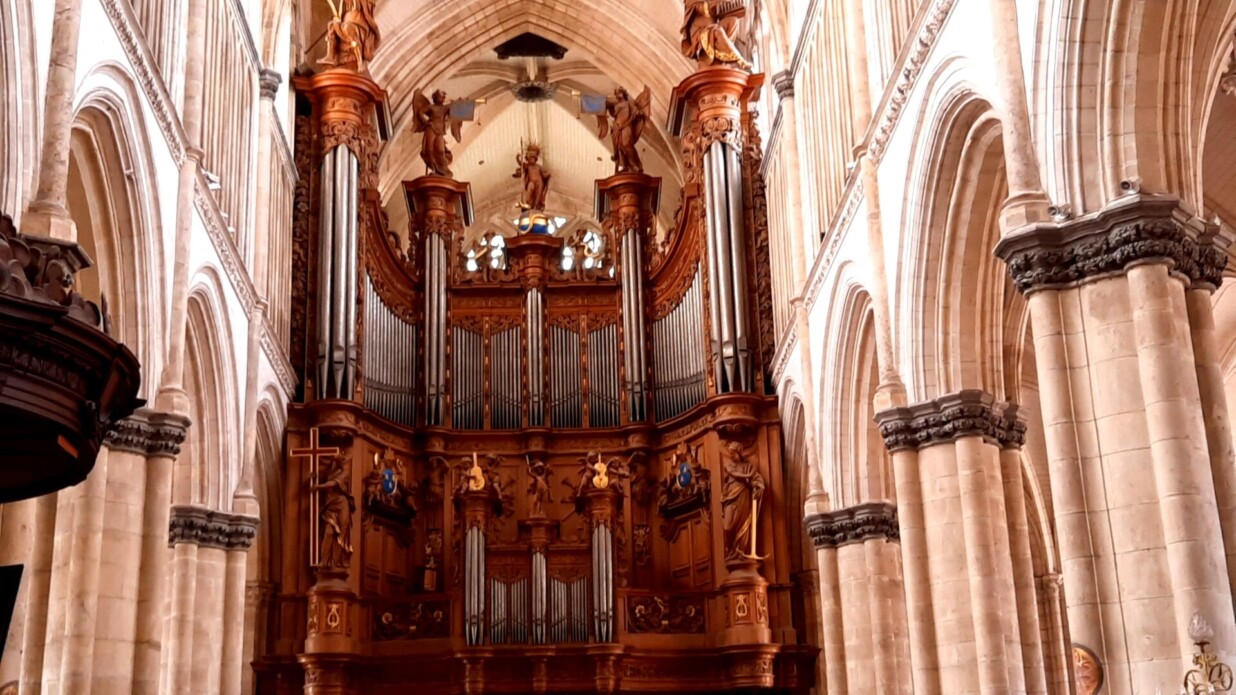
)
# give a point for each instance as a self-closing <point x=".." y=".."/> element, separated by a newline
<point x="208" y="467"/>
<point x="113" y="199"/>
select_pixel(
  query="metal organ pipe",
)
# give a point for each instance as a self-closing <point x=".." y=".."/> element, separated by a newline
<point x="727" y="269"/>
<point x="602" y="584"/>
<point x="337" y="275"/>
<point x="474" y="588"/>
<point x="435" y="327"/>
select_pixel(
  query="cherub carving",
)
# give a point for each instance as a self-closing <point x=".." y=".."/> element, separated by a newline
<point x="535" y="177"/>
<point x="538" y="487"/>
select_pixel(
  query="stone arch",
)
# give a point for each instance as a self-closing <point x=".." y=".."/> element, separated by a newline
<point x="206" y="471"/>
<point x="957" y="310"/>
<point x="862" y="468"/>
<point x="1146" y="71"/>
<point x="113" y="199"/>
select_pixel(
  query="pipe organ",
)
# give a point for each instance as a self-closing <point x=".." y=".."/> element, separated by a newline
<point x="528" y="474"/>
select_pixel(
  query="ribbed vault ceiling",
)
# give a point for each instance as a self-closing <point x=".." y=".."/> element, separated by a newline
<point x="431" y="44"/>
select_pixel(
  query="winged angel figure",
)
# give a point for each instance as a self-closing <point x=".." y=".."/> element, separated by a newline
<point x="630" y="116"/>
<point x="433" y="118"/>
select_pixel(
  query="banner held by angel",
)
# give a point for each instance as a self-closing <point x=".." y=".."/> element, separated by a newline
<point x="630" y="116"/>
<point x="433" y="119"/>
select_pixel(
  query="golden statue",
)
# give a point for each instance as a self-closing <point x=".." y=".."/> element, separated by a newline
<point x="708" y="30"/>
<point x="535" y="176"/>
<point x="352" y="37"/>
<point x="434" y="118"/>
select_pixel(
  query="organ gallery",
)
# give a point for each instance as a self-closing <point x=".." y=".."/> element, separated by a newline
<point x="525" y="460"/>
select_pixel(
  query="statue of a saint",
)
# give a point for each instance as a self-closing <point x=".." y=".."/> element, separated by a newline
<point x="352" y="37"/>
<point x="630" y="116"/>
<point x="538" y="487"/>
<point x="434" y="119"/>
<point x="336" y="514"/>
<point x="708" y="30"/>
<point x="535" y="176"/>
<point x="740" y="499"/>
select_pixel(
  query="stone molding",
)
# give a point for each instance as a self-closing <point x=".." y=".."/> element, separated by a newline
<point x="857" y="524"/>
<point x="1137" y="229"/>
<point x="149" y="433"/>
<point x="208" y="528"/>
<point x="970" y="413"/>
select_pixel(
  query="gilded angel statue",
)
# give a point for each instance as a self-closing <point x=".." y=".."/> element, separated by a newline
<point x="630" y="116"/>
<point x="434" y="118"/>
<point x="708" y="31"/>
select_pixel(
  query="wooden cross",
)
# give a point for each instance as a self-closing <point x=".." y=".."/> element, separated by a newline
<point x="315" y="452"/>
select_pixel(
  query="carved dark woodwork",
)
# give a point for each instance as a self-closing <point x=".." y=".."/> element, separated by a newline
<point x="596" y="504"/>
<point x="65" y="383"/>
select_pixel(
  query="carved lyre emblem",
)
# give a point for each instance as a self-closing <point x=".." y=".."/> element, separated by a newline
<point x="600" y="476"/>
<point x="476" y="476"/>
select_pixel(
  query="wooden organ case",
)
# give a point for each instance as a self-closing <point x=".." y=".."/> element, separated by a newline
<point x="515" y="477"/>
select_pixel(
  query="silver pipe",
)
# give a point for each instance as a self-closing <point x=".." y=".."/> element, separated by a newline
<point x="339" y="243"/>
<point x="719" y="205"/>
<point x="714" y="281"/>
<point x="352" y="223"/>
<point x="739" y="273"/>
<point x="326" y="233"/>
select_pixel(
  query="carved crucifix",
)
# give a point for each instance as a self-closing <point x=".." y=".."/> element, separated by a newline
<point x="315" y="452"/>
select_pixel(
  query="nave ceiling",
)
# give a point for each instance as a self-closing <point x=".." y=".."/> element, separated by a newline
<point x="608" y="44"/>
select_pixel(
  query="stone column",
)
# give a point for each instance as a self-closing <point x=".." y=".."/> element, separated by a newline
<point x="85" y="549"/>
<point x="1030" y="634"/>
<point x="876" y="653"/>
<point x="207" y="606"/>
<point x="122" y="535"/>
<point x="947" y="465"/>
<point x="237" y="627"/>
<point x="258" y="598"/>
<point x="1133" y="487"/>
<point x="47" y="214"/>
<point x="163" y="435"/>
<point x="34" y="634"/>
<point x="833" y="643"/>
<point x="17" y="532"/>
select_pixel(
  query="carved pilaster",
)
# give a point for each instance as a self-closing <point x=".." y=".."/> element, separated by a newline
<point x="870" y="521"/>
<point x="1135" y="230"/>
<point x="208" y="528"/>
<point x="970" y="413"/>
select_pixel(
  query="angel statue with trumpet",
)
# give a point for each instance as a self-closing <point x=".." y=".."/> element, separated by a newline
<point x="630" y="116"/>
<point x="433" y="119"/>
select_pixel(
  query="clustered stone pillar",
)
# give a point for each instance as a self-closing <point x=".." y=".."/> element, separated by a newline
<point x="965" y="625"/>
<point x="857" y="549"/>
<point x="1121" y="346"/>
<point x="208" y="545"/>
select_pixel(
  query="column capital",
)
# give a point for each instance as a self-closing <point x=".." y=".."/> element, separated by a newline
<point x="269" y="82"/>
<point x="1133" y="230"/>
<point x="970" y="413"/>
<point x="148" y="433"/>
<point x="208" y="528"/>
<point x="857" y="524"/>
<point x="783" y="84"/>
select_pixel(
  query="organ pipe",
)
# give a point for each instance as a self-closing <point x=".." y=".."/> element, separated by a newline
<point x="602" y="583"/>
<point x="389" y="361"/>
<point x="731" y="353"/>
<point x="535" y="309"/>
<point x="337" y="276"/>
<point x="435" y="328"/>
<point x="680" y="357"/>
<point x="474" y="587"/>
<point x="634" y="364"/>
